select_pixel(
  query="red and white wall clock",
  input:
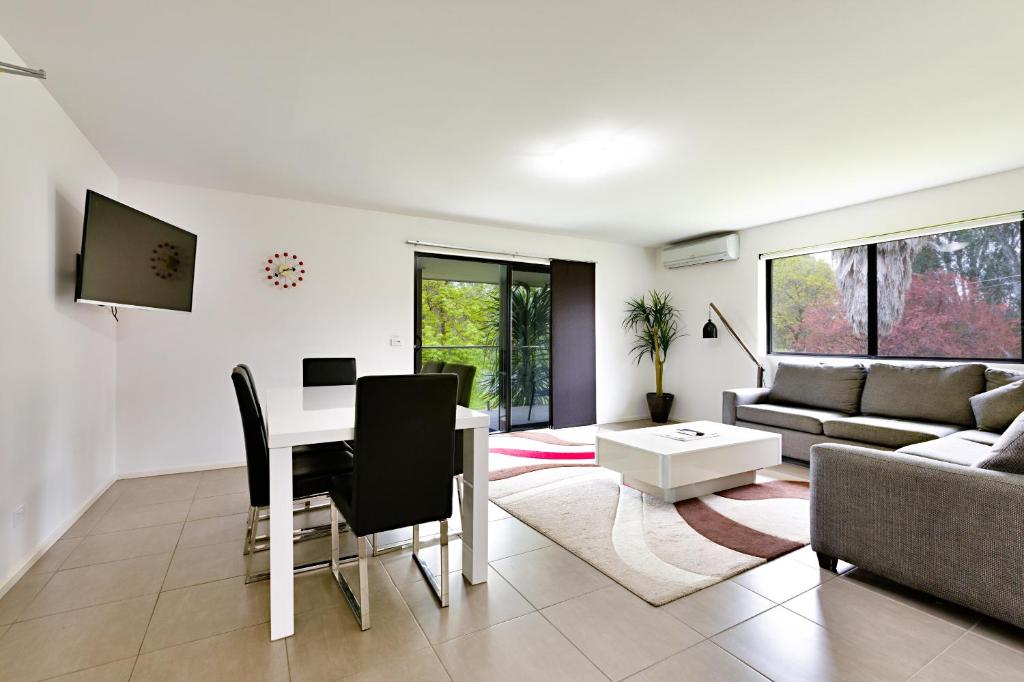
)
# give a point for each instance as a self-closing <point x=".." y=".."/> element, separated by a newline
<point x="284" y="270"/>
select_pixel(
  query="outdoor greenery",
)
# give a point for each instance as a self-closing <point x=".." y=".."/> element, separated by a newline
<point x="959" y="296"/>
<point x="460" y="314"/>
<point x="468" y="314"/>
<point x="655" y="325"/>
<point x="530" y="326"/>
<point x="807" y="312"/>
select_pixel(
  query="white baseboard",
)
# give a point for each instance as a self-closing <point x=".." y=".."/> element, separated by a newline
<point x="181" y="470"/>
<point x="50" y="540"/>
<point x="622" y="420"/>
<point x="44" y="546"/>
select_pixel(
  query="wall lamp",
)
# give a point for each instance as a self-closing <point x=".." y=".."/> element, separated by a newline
<point x="710" y="331"/>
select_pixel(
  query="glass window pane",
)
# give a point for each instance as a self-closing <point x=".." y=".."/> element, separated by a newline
<point x="951" y="295"/>
<point x="819" y="303"/>
<point x="530" y="331"/>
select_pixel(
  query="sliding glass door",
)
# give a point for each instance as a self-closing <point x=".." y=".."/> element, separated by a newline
<point x="496" y="318"/>
<point x="529" y="327"/>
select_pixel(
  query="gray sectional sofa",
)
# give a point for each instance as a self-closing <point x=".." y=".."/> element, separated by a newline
<point x="925" y="410"/>
<point x="911" y="478"/>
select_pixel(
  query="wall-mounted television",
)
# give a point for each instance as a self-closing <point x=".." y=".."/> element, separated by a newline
<point x="132" y="259"/>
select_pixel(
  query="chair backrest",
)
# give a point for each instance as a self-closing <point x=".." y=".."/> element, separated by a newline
<point x="466" y="374"/>
<point x="255" y="394"/>
<point x="405" y="437"/>
<point x="257" y="456"/>
<point x="432" y="367"/>
<point x="328" y="371"/>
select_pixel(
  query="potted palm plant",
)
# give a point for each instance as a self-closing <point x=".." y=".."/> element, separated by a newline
<point x="654" y="321"/>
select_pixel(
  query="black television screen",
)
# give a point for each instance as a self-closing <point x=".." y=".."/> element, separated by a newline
<point x="133" y="259"/>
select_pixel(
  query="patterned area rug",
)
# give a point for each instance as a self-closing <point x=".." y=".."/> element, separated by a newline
<point x="657" y="550"/>
<point x="510" y="450"/>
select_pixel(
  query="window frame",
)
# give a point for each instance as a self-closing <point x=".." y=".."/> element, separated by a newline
<point x="872" y="296"/>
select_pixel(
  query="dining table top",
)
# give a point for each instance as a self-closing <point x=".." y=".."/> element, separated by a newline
<point x="320" y="414"/>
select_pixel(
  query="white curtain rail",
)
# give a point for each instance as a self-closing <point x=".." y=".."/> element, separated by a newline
<point x="514" y="255"/>
<point x="16" y="70"/>
<point x="1015" y="216"/>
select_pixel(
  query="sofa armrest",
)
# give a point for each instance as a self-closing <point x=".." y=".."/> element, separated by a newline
<point x="734" y="397"/>
<point x="953" y="531"/>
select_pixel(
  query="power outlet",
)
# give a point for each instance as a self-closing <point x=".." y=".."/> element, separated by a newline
<point x="18" y="517"/>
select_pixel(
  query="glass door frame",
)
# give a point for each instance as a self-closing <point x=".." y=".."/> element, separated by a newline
<point x="504" y="347"/>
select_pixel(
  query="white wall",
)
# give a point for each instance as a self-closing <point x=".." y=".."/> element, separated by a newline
<point x="56" y="356"/>
<point x="176" y="408"/>
<point x="699" y="369"/>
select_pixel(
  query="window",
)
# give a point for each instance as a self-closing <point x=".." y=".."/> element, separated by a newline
<point x="952" y="295"/>
<point x="819" y="302"/>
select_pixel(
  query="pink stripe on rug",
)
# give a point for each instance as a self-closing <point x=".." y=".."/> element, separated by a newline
<point x="724" y="531"/>
<point x="771" y="490"/>
<point x="502" y="474"/>
<point x="549" y="438"/>
<point x="543" y="454"/>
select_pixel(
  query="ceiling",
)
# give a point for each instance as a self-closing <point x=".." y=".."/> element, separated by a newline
<point x="743" y="112"/>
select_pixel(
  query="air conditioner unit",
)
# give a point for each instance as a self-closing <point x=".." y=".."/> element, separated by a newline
<point x="699" y="251"/>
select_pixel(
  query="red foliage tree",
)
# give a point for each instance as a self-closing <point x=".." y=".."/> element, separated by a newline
<point x="825" y="329"/>
<point x="947" y="316"/>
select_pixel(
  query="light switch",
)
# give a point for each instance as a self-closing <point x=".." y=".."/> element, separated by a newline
<point x="396" y="342"/>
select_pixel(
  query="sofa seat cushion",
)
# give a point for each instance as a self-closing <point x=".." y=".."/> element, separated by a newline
<point x="825" y="387"/>
<point x="978" y="436"/>
<point x="795" y="418"/>
<point x="949" y="449"/>
<point x="892" y="433"/>
<point x="929" y="393"/>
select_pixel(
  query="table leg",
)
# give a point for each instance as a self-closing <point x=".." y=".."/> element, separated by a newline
<point x="282" y="598"/>
<point x="474" y="505"/>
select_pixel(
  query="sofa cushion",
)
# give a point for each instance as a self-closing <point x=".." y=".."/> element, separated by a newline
<point x="829" y="387"/>
<point x="983" y="437"/>
<point x="786" y="417"/>
<point x="949" y="449"/>
<point x="1008" y="452"/>
<point x="926" y="392"/>
<point x="892" y="433"/>
<point x="994" y="378"/>
<point x="995" y="409"/>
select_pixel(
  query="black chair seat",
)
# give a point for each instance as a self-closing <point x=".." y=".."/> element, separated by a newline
<point x="341" y="489"/>
<point x="312" y="470"/>
<point x="319" y="447"/>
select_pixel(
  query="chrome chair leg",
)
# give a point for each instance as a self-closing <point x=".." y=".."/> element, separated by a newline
<point x="361" y="606"/>
<point x="250" y="529"/>
<point x="250" y="547"/>
<point x="438" y="584"/>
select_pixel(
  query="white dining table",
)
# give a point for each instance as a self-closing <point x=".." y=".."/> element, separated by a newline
<point x="326" y="414"/>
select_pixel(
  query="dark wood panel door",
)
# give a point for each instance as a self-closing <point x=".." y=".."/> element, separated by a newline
<point x="573" y="345"/>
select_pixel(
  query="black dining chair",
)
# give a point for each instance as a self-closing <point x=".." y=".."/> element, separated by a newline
<point x="402" y="473"/>
<point x="307" y="505"/>
<point x="466" y="374"/>
<point x="311" y="470"/>
<point x="431" y="366"/>
<point x="328" y="371"/>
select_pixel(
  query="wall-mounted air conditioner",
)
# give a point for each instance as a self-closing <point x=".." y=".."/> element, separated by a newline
<point x="706" y="250"/>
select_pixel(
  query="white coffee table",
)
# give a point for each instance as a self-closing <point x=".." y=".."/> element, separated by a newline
<point x="675" y="470"/>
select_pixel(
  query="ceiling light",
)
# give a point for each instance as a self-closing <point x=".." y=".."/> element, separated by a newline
<point x="592" y="156"/>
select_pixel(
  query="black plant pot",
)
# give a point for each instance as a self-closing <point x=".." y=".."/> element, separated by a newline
<point x="660" y="406"/>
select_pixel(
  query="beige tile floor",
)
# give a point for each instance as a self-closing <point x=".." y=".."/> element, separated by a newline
<point x="148" y="586"/>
